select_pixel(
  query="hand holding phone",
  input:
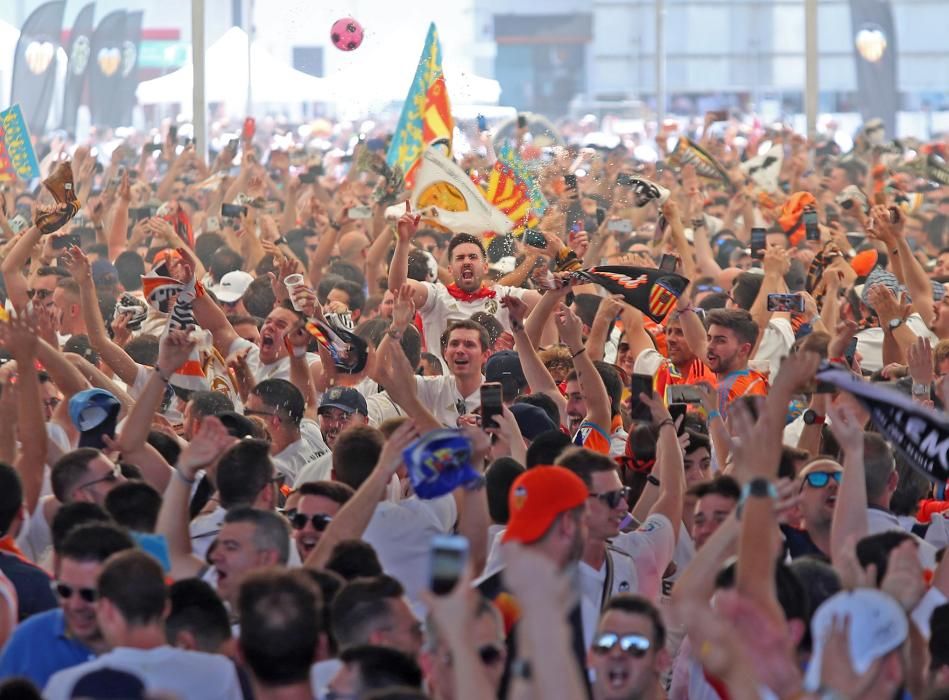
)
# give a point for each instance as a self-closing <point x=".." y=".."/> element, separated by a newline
<point x="758" y="238"/>
<point x="785" y="303"/>
<point x="448" y="556"/>
<point x="491" y="404"/>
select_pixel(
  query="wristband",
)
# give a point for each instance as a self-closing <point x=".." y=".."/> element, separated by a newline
<point x="712" y="415"/>
<point x="394" y="334"/>
<point x="652" y="480"/>
<point x="185" y="479"/>
<point x="667" y="421"/>
<point x="577" y="353"/>
<point x="161" y="376"/>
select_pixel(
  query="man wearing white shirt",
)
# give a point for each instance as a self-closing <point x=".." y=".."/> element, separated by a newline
<point x="438" y="304"/>
<point x="340" y="408"/>
<point x="465" y="347"/>
<point x="294" y="441"/>
<point x="131" y="608"/>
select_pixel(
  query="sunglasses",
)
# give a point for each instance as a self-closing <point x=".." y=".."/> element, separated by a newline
<point x="613" y="498"/>
<point x="110" y="477"/>
<point x="65" y="592"/>
<point x="633" y="644"/>
<point x="819" y="480"/>
<point x="298" y="520"/>
<point x="709" y="288"/>
<point x="40" y="294"/>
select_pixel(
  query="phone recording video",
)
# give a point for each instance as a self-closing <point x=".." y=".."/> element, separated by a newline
<point x="448" y="555"/>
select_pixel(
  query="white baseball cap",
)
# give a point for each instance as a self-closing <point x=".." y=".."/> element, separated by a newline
<point x="878" y="625"/>
<point x="232" y="286"/>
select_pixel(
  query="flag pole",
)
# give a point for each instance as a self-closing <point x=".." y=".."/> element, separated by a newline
<point x="199" y="104"/>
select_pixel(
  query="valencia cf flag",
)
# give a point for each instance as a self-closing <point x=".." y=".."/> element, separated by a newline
<point x="652" y="291"/>
<point x="349" y="352"/>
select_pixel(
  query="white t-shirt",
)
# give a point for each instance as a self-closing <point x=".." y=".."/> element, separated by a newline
<point x="870" y="342"/>
<point x="204" y="530"/>
<point x="439" y="394"/>
<point x="401" y="533"/>
<point x="643" y="556"/>
<point x="275" y="370"/>
<point x="186" y="675"/>
<point x="440" y="307"/>
<point x="775" y="344"/>
<point x="297" y="455"/>
<point x="648" y="362"/>
<point x="318" y="470"/>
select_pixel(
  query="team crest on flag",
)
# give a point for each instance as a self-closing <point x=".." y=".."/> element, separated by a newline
<point x="661" y="300"/>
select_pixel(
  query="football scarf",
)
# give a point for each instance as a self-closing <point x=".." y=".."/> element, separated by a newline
<point x="349" y="352"/>
<point x="652" y="291"/>
<point x="687" y="151"/>
<point x="919" y="433"/>
<point x="461" y="295"/>
<point x="159" y="287"/>
<point x="764" y="168"/>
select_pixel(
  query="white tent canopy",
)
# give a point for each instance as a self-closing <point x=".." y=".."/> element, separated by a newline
<point x="226" y="78"/>
<point x="369" y="82"/>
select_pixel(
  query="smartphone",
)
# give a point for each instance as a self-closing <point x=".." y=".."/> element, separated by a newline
<point x="850" y="351"/>
<point x="620" y="226"/>
<point x="71" y="239"/>
<point x="668" y="263"/>
<point x="683" y="393"/>
<point x="234" y="144"/>
<point x="811" y="229"/>
<point x="309" y="177"/>
<point x="758" y="237"/>
<point x="533" y="238"/>
<point x="359" y="212"/>
<point x="482" y="123"/>
<point x="570" y="180"/>
<point x="641" y="384"/>
<point x="675" y="411"/>
<point x="18" y="223"/>
<point x="491" y="404"/>
<point x="785" y="302"/>
<point x="521" y="121"/>
<point x="600" y="216"/>
<point x="173" y="133"/>
<point x="448" y="556"/>
<point x="138" y="213"/>
<point x="152" y="147"/>
<point x="233" y="211"/>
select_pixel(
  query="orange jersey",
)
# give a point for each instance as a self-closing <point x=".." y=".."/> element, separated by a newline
<point x="696" y="372"/>
<point x="742" y="382"/>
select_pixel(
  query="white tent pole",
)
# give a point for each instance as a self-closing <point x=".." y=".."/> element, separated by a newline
<point x="811" y="75"/>
<point x="199" y="105"/>
<point x="250" y="42"/>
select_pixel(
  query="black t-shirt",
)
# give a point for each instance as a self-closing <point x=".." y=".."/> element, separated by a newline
<point x="32" y="584"/>
<point x="797" y="543"/>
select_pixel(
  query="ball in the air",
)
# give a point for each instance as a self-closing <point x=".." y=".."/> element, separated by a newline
<point x="346" y="34"/>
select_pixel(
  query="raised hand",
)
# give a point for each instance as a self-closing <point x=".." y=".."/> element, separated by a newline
<point x="407" y="225"/>
<point x="19" y="336"/>
<point x="211" y="441"/>
<point x="846" y="427"/>
<point x="570" y="327"/>
<point x="390" y="459"/>
<point x="516" y="310"/>
<point x="78" y="264"/>
<point x="173" y="351"/>
<point x="403" y="310"/>
<point x="920" y="361"/>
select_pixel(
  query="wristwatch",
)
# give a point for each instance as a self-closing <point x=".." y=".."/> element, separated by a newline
<point x="759" y="487"/>
<point x="895" y="323"/>
<point x="921" y="389"/>
<point x="812" y="417"/>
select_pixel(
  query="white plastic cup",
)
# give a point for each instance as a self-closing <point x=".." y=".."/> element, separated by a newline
<point x="291" y="282"/>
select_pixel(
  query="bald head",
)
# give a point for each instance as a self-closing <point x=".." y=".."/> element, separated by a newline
<point x="353" y="246"/>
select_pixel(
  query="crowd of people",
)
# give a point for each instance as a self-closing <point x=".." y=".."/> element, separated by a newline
<point x="261" y="438"/>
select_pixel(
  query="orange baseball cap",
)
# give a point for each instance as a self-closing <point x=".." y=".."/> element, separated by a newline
<point x="537" y="497"/>
<point x="864" y="261"/>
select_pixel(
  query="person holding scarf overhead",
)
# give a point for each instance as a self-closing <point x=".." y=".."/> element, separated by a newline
<point x="470" y="292"/>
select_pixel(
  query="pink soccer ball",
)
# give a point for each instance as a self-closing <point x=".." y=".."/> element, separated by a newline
<point x="346" y="34"/>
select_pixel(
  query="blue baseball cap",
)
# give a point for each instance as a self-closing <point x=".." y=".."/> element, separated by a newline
<point x="439" y="462"/>
<point x="94" y="412"/>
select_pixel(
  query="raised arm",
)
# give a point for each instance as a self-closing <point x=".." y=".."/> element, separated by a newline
<point x="775" y="265"/>
<point x="537" y="375"/>
<point x="20" y="338"/>
<point x="12" y="267"/>
<point x="353" y="518"/>
<point x="591" y="383"/>
<point x="210" y="442"/>
<point x="117" y="237"/>
<point x="399" y="267"/>
<point x="606" y="314"/>
<point x="905" y="265"/>
<point x="111" y="352"/>
<point x="850" y="509"/>
<point x="670" y="468"/>
<point x="671" y="211"/>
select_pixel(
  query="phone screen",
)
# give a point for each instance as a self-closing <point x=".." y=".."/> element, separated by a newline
<point x="668" y="263"/>
<point x="448" y="556"/>
<point x="570" y="180"/>
<point x="490" y="404"/>
<point x="757" y="242"/>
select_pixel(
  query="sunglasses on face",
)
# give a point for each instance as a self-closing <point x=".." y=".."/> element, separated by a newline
<point x="613" y="498"/>
<point x="298" y="521"/>
<point x="65" y="592"/>
<point x="39" y="294"/>
<point x="819" y="480"/>
<point x="111" y="476"/>
<point x="633" y="644"/>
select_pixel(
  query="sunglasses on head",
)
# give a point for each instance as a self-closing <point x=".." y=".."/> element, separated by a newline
<point x="65" y="592"/>
<point x="613" y="498"/>
<point x="819" y="480"/>
<point x="635" y="645"/>
<point x="298" y="520"/>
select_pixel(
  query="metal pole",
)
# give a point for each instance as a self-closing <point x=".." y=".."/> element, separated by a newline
<point x="660" y="68"/>
<point x="250" y="42"/>
<point x="199" y="104"/>
<point x="811" y="79"/>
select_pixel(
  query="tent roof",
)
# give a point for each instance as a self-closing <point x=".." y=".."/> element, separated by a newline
<point x="226" y="77"/>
